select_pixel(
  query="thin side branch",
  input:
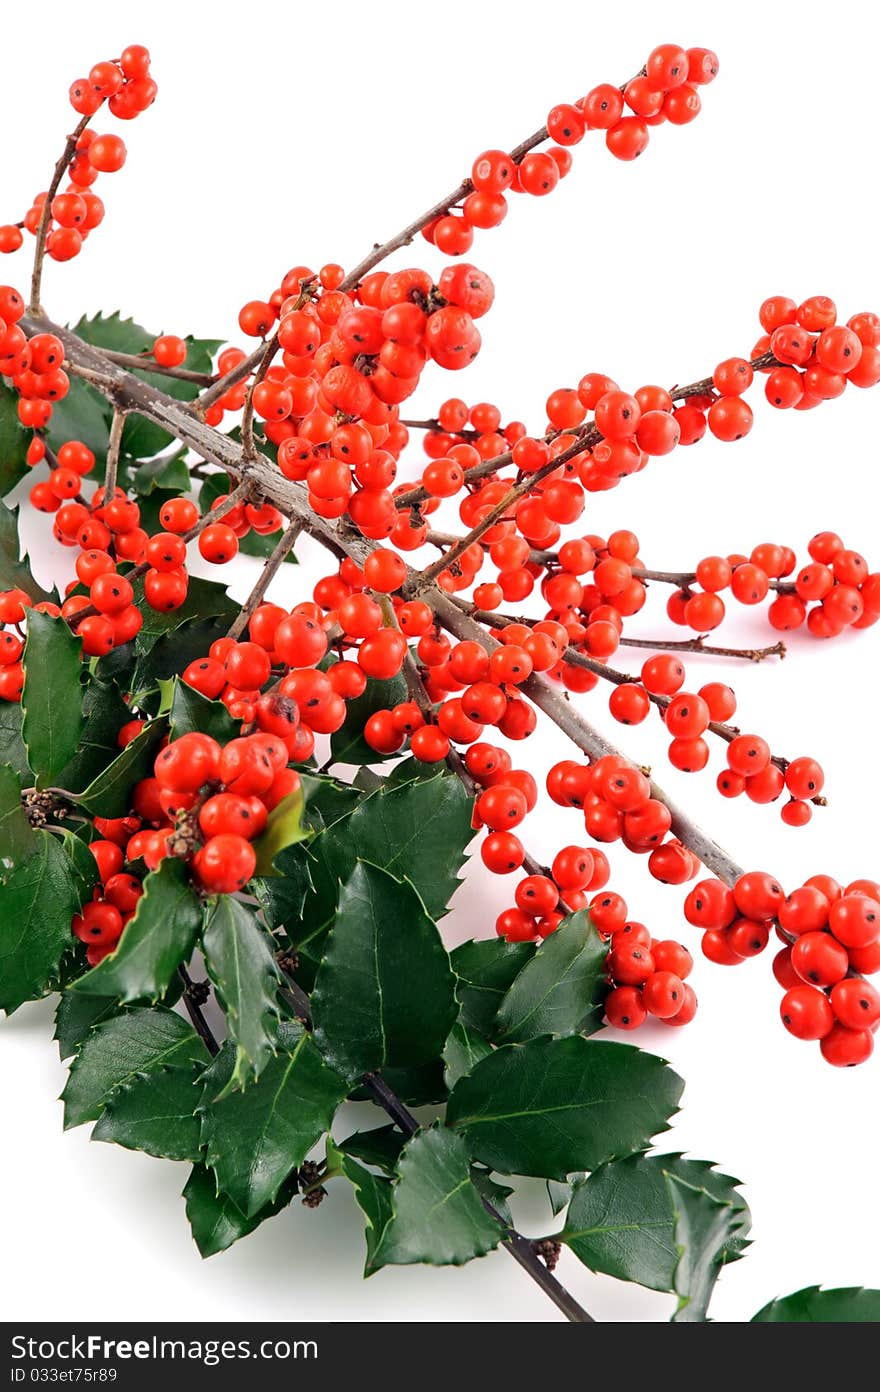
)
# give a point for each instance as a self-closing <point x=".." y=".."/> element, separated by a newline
<point x="270" y="569"/>
<point x="60" y="170"/>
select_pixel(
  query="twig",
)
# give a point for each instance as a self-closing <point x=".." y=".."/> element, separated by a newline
<point x="685" y="578"/>
<point x="587" y="433"/>
<point x="114" y="443"/>
<point x="194" y="1011"/>
<point x="137" y="362"/>
<point x="248" y="447"/>
<point x="61" y="167"/>
<point x="270" y="568"/>
<point x="699" y="645"/>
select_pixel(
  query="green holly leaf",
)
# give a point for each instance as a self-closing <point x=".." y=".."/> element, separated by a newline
<point x="438" y="1216"/>
<point x="217" y="1222"/>
<point x="552" y="1106"/>
<point x="205" y="599"/>
<point x="347" y="744"/>
<point x="168" y="475"/>
<point x="494" y="1193"/>
<point x="12" y="750"/>
<point x="109" y="794"/>
<point x="52" y="698"/>
<point x="76" y="1015"/>
<point x="254" y="1139"/>
<point x="17" y="840"/>
<point x="155" y="1112"/>
<point x="385" y="992"/>
<point x="37" y="903"/>
<point x="373" y="1195"/>
<point x="155" y="942"/>
<point x="561" y="989"/>
<point x="462" y="1052"/>
<point x="380" y="1148"/>
<point x="15" y="570"/>
<point x="241" y="966"/>
<point x="560" y="1191"/>
<point x="14" y="441"/>
<point x="486" y="969"/>
<point x="419" y="832"/>
<point x="191" y="711"/>
<point x="115" y="1051"/>
<point x="105" y="713"/>
<point x="621" y="1219"/>
<point x="284" y="828"/>
<point x="169" y="654"/>
<point x="846" y="1305"/>
<point x="703" y="1228"/>
<point x="82" y="863"/>
<point x="327" y="800"/>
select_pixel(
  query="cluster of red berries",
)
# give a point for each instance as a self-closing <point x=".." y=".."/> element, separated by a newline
<point x="115" y="899"/>
<point x="128" y="89"/>
<point x="751" y="767"/>
<point x="831" y="934"/>
<point x="843" y="592"/>
<point x="348" y="360"/>
<point x="665" y="90"/>
<point x="815" y="356"/>
<point x="205" y="802"/>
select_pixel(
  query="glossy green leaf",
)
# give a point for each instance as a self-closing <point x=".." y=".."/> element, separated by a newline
<point x="560" y="990"/>
<point x="76" y="1015"/>
<point x="437" y="1216"/>
<point x="17" y="839"/>
<point x="486" y="969"/>
<point x="52" y="698"/>
<point x="373" y="1195"/>
<point x="109" y="794"/>
<point x="703" y="1228"/>
<point x="380" y="1147"/>
<point x="552" y="1106"/>
<point x="254" y="1139"/>
<point x="115" y="1051"/>
<point x="812" y="1305"/>
<point x="104" y="713"/>
<point x="191" y="711"/>
<point x="385" y="992"/>
<point x="37" y="903"/>
<point x="347" y="744"/>
<point x="418" y="832"/>
<point x="242" y="967"/>
<point x="159" y="938"/>
<point x="217" y="1222"/>
<point x="621" y="1219"/>
<point x="462" y="1052"/>
<point x="205" y="599"/>
<point x="155" y="1112"/>
<point x="14" y="441"/>
<point x="15" y="570"/>
<point x="12" y="750"/>
<point x="284" y="828"/>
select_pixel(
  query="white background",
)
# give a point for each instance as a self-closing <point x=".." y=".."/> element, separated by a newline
<point x="303" y="133"/>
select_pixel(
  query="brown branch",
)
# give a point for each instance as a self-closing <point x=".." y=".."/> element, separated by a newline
<point x="114" y="443"/>
<point x="143" y="362"/>
<point x="61" y="167"/>
<point x="271" y="566"/>
<point x="699" y="645"/>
